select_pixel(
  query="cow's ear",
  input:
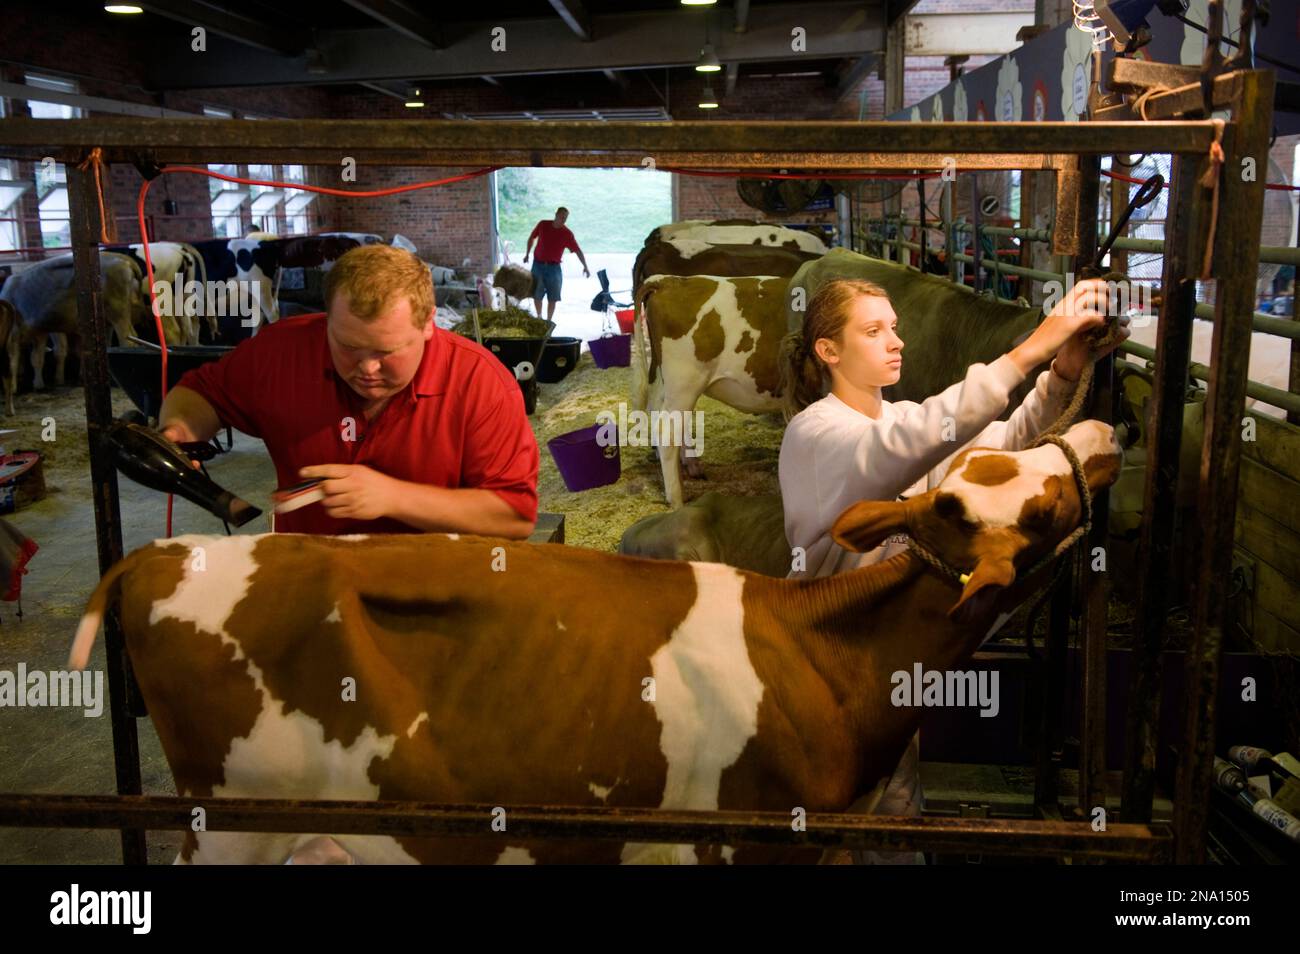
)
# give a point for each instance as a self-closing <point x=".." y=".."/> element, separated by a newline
<point x="992" y="575"/>
<point x="867" y="523"/>
<point x="982" y="590"/>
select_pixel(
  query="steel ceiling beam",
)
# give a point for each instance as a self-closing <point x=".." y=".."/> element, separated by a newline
<point x="398" y="16"/>
<point x="575" y="16"/>
<point x="256" y="34"/>
<point x="640" y="40"/>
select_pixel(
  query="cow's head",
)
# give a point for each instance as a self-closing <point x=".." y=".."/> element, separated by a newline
<point x="995" y="512"/>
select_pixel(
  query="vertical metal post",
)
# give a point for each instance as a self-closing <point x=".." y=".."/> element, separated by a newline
<point x="997" y="266"/>
<point x="1095" y="583"/>
<point x="1185" y="236"/>
<point x="1236" y="260"/>
<point x="1028" y="180"/>
<point x="1047" y="758"/>
<point x="83" y="204"/>
<point x="920" y="195"/>
<point x="1293" y="380"/>
<point x="1119" y="192"/>
<point x="949" y="235"/>
<point x="893" y="74"/>
<point x="977" y="247"/>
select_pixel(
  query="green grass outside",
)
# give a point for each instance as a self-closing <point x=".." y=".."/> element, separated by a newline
<point x="610" y="210"/>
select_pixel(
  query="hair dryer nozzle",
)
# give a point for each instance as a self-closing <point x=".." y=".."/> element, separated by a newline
<point x="150" y="459"/>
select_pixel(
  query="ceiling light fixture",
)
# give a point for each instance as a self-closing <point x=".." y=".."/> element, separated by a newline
<point x="413" y="98"/>
<point x="698" y="3"/>
<point x="709" y="62"/>
<point x="122" y="8"/>
<point x="707" y="99"/>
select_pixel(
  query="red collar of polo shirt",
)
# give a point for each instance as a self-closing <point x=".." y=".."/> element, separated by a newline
<point x="430" y="377"/>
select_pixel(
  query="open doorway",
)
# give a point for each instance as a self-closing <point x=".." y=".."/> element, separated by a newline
<point x="610" y="213"/>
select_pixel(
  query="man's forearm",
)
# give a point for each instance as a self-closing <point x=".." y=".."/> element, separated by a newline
<point x="189" y="416"/>
<point x="460" y="510"/>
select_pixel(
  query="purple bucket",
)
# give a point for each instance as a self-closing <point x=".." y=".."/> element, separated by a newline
<point x="582" y="462"/>
<point x="611" y="351"/>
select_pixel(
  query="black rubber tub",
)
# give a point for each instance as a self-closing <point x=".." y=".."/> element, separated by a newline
<point x="558" y="359"/>
<point x="137" y="370"/>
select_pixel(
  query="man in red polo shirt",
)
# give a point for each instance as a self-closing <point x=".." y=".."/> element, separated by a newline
<point x="413" y="428"/>
<point x="552" y="239"/>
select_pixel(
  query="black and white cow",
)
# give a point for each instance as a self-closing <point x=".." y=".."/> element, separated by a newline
<point x="169" y="259"/>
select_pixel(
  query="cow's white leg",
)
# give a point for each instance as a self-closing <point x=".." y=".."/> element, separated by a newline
<point x="640" y="363"/>
<point x="60" y="357"/>
<point x="679" y="396"/>
<point x="38" y="360"/>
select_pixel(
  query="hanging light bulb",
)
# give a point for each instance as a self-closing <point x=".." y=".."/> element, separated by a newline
<point x="413" y="98"/>
<point x="698" y="3"/>
<point x="707" y="99"/>
<point x="709" y="62"/>
<point x="122" y="8"/>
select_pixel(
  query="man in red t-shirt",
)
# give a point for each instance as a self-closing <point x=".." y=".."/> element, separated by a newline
<point x="412" y="428"/>
<point x="552" y="239"/>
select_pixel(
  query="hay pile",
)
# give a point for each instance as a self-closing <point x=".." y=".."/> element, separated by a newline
<point x="515" y="279"/>
<point x="740" y="456"/>
<point x="510" y="322"/>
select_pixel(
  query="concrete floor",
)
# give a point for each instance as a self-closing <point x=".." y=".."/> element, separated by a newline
<point x="573" y="316"/>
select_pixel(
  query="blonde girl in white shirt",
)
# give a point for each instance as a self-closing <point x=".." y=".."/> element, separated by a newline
<point x="845" y="443"/>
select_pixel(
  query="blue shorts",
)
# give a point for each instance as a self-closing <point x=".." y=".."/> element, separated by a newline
<point x="547" y="279"/>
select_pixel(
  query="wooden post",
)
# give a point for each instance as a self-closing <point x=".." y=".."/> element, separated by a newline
<point x="1235" y="265"/>
<point x="83" y="206"/>
<point x="1185" y="235"/>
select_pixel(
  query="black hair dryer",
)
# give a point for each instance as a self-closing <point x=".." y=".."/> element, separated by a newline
<point x="152" y="460"/>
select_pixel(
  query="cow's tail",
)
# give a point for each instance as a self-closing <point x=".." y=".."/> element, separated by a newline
<point x="105" y="592"/>
<point x="640" y="349"/>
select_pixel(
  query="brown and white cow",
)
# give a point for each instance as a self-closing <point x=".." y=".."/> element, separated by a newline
<point x="692" y="233"/>
<point x="706" y="334"/>
<point x="491" y="672"/>
<point x="697" y="258"/>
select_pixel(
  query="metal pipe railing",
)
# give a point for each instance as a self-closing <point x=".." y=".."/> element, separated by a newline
<point x="1268" y="254"/>
<point x="1262" y="322"/>
<point x="1260" y="392"/>
<point x="1035" y="273"/>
